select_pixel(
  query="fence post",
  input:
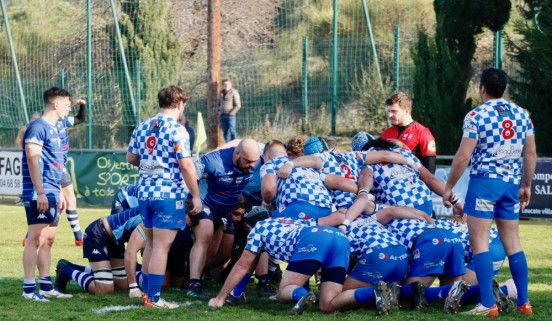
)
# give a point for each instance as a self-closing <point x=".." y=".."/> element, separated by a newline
<point x="89" y="69"/>
<point x="305" y="88"/>
<point x="497" y="49"/>
<point x="138" y="93"/>
<point x="334" y="67"/>
<point x="62" y="78"/>
<point x="14" y="61"/>
<point x="372" y="41"/>
<point x="396" y="60"/>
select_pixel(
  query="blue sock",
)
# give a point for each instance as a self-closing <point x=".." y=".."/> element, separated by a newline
<point x="520" y="274"/>
<point x="471" y="296"/>
<point x="240" y="287"/>
<point x="73" y="219"/>
<point x="29" y="285"/>
<point x="138" y="267"/>
<point x="46" y="283"/>
<point x="145" y="281"/>
<point x="364" y="295"/>
<point x="83" y="279"/>
<point x="406" y="290"/>
<point x="77" y="267"/>
<point x="155" y="281"/>
<point x="484" y="271"/>
<point x="298" y="293"/>
<point x="437" y="292"/>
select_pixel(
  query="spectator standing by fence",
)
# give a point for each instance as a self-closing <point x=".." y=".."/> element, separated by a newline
<point x="228" y="106"/>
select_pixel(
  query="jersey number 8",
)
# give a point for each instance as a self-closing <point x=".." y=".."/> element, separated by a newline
<point x="507" y="129"/>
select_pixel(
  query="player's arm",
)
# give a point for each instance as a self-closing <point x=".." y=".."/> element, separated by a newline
<point x="402" y="212"/>
<point x="428" y="150"/>
<point x="245" y="264"/>
<point x="309" y="161"/>
<point x="529" y="164"/>
<point x="269" y="187"/>
<point x="81" y="115"/>
<point x="34" y="154"/>
<point x="341" y="183"/>
<point x="386" y="156"/>
<point x="429" y="162"/>
<point x="132" y="159"/>
<point x="438" y="187"/>
<point x="190" y="177"/>
<point x="135" y="243"/>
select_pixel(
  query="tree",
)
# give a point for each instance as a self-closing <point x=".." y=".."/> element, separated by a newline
<point x="443" y="64"/>
<point x="532" y="89"/>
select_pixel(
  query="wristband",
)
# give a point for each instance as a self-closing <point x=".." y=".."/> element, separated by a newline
<point x="290" y="163"/>
<point x="133" y="286"/>
<point x="265" y="204"/>
<point x="454" y="199"/>
<point x="340" y="225"/>
<point x="363" y="191"/>
<point x="346" y="222"/>
<point x="41" y="193"/>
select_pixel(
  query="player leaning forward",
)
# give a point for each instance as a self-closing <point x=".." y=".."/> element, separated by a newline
<point x="159" y="146"/>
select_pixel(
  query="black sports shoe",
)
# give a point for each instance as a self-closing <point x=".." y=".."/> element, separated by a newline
<point x="380" y="297"/>
<point x="417" y="297"/>
<point x="61" y="281"/>
<point x="235" y="300"/>
<point x="394" y="291"/>
<point x="196" y="291"/>
<point x="452" y="302"/>
<point x="500" y="298"/>
<point x="266" y="290"/>
<point x="304" y="303"/>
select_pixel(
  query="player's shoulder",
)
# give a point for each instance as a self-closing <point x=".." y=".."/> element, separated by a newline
<point x="390" y="132"/>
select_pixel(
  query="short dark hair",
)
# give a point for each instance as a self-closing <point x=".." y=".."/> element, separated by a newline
<point x="380" y="143"/>
<point x="54" y="92"/>
<point x="495" y="81"/>
<point x="170" y="96"/>
<point x="225" y="80"/>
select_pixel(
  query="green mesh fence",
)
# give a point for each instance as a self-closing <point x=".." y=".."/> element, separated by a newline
<point x="262" y="45"/>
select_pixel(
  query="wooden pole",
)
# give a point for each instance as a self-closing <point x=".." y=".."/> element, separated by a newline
<point x="213" y="63"/>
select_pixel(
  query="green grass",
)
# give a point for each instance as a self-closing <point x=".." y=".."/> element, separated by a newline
<point x="535" y="236"/>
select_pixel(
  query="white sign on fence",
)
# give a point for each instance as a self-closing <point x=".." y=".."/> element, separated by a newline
<point x="10" y="173"/>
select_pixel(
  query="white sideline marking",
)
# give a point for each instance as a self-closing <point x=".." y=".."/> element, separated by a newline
<point x="117" y="308"/>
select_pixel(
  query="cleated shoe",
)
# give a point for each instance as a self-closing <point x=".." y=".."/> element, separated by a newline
<point x="61" y="280"/>
<point x="380" y="297"/>
<point x="266" y="290"/>
<point x="393" y="298"/>
<point x="235" y="301"/>
<point x="79" y="242"/>
<point x="525" y="309"/>
<point x="481" y="310"/>
<point x="512" y="289"/>
<point x="54" y="293"/>
<point x="34" y="296"/>
<point x="500" y="298"/>
<point x="196" y="291"/>
<point x="418" y="297"/>
<point x="160" y="304"/>
<point x="452" y="302"/>
<point x="24" y="242"/>
<point x="304" y="303"/>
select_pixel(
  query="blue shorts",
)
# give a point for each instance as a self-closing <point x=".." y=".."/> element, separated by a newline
<point x="218" y="219"/>
<point x="65" y="178"/>
<point x="498" y="254"/>
<point x="303" y="210"/>
<point x="327" y="245"/>
<point x="179" y="253"/>
<point x="98" y="245"/>
<point x="437" y="252"/>
<point x="490" y="198"/>
<point x="51" y="216"/>
<point x="426" y="207"/>
<point x="388" y="264"/>
<point x="166" y="213"/>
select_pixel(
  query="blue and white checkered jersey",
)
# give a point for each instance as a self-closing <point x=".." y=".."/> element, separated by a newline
<point x="500" y="128"/>
<point x="51" y="162"/>
<point x="461" y="231"/>
<point x="399" y="185"/>
<point x="406" y="230"/>
<point x="366" y="234"/>
<point x="159" y="143"/>
<point x="62" y="126"/>
<point x="303" y="184"/>
<point x="346" y="165"/>
<point x="277" y="236"/>
<point x="225" y="182"/>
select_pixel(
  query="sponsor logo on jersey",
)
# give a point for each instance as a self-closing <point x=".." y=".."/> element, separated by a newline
<point x="437" y="241"/>
<point x="96" y="252"/>
<point x="484" y="205"/>
<point x="179" y="205"/>
<point x="41" y="216"/>
<point x="431" y="146"/>
<point x="307" y="249"/>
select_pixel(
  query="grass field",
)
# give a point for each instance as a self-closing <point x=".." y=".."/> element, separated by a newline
<point x="535" y="235"/>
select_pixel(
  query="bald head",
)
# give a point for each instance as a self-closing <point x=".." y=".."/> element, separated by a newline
<point x="246" y="155"/>
<point x="274" y="148"/>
